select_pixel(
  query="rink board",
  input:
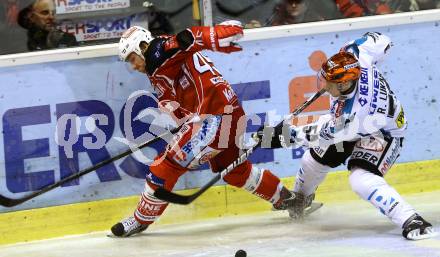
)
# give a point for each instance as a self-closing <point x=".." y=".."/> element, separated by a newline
<point x="270" y="77"/>
<point x="219" y="201"/>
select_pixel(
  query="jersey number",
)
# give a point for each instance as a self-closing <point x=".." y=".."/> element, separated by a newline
<point x="202" y="64"/>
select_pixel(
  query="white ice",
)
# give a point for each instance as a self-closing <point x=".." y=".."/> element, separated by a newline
<point x="351" y="229"/>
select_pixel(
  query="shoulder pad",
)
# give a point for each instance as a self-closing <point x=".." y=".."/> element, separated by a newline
<point x="156" y="55"/>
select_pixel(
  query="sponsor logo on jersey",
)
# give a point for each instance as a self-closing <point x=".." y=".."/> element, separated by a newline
<point x="400" y="120"/>
<point x="364" y="155"/>
<point x="362" y="101"/>
<point x="185" y="128"/>
<point x="201" y="139"/>
<point x="376" y="85"/>
<point x="171" y="43"/>
<point x="228" y="93"/>
<point x="183" y="81"/>
<point x="181" y="156"/>
<point x="364" y="80"/>
<point x="212" y="38"/>
<point x="390" y="158"/>
<point x="363" y="87"/>
<point x="339" y="109"/>
<point x="216" y="80"/>
<point x="319" y="151"/>
<point x="371" y="144"/>
<point x="207" y="156"/>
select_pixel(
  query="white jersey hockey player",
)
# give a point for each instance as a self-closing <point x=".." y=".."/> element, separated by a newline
<point x="365" y="129"/>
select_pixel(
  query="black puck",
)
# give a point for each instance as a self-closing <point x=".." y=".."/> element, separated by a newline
<point x="241" y="253"/>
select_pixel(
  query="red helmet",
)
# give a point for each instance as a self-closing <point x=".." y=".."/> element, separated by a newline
<point x="340" y="68"/>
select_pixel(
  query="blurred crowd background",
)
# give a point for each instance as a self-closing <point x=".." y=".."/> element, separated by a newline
<point x="32" y="25"/>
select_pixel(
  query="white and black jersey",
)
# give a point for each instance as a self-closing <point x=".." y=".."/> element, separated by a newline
<point x="370" y="117"/>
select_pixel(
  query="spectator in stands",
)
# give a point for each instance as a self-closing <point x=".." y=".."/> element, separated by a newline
<point x="253" y="24"/>
<point x="39" y="19"/>
<point x="412" y="5"/>
<point x="11" y="12"/>
<point x="159" y="22"/>
<point x="298" y="11"/>
<point x="359" y="8"/>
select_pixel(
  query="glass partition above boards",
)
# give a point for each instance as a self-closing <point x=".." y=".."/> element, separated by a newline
<point x="32" y="25"/>
<point x="263" y="13"/>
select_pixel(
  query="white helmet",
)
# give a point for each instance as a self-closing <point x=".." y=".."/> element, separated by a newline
<point x="131" y="40"/>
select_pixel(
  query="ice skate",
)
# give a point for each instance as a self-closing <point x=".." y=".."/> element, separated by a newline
<point x="287" y="200"/>
<point x="416" y="228"/>
<point x="298" y="205"/>
<point x="303" y="206"/>
<point x="128" y="227"/>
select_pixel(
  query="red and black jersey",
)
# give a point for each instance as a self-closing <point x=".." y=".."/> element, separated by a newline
<point x="186" y="82"/>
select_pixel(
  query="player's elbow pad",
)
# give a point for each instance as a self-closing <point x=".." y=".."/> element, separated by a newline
<point x="185" y="39"/>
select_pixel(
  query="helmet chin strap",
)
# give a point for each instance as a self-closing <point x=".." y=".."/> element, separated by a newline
<point x="349" y="90"/>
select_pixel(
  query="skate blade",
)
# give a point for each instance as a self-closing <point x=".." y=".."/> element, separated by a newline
<point x="415" y="235"/>
<point x="309" y="210"/>
<point x="312" y="208"/>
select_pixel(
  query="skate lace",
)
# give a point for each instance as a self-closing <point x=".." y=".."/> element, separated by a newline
<point x="130" y="224"/>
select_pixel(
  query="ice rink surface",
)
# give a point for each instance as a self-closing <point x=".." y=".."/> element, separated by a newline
<point x="345" y="229"/>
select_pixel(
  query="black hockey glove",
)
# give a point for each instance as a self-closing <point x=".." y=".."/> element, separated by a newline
<point x="275" y="137"/>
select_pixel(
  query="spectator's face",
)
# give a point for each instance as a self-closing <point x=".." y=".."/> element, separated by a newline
<point x="296" y="8"/>
<point x="42" y="15"/>
<point x="137" y="62"/>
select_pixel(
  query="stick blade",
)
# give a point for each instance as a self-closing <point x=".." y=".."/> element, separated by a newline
<point x="171" y="197"/>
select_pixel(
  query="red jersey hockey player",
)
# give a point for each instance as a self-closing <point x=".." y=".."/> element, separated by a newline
<point x="193" y="91"/>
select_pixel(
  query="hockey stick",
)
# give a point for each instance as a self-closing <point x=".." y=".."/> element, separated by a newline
<point x="171" y="197"/>
<point x="228" y="10"/>
<point x="9" y="202"/>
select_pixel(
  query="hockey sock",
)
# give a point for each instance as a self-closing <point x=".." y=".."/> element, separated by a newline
<point x="263" y="184"/>
<point x="376" y="190"/>
<point x="310" y="175"/>
<point x="149" y="207"/>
